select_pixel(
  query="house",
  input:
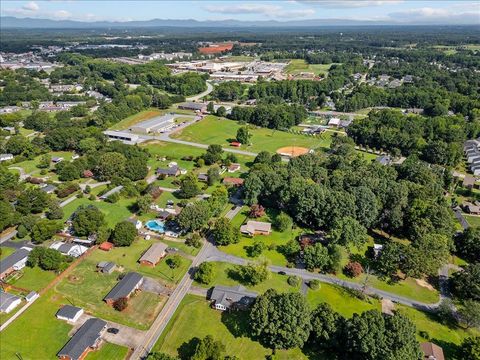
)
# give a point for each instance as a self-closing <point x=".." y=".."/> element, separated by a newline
<point x="169" y="171"/>
<point x="124" y="288"/>
<point x="234" y="167"/>
<point x="106" y="246"/>
<point x="86" y="339"/>
<point x="31" y="296"/>
<point x="6" y="157"/>
<point x="14" y="262"/>
<point x="69" y="313"/>
<point x="233" y="181"/>
<point x="202" y="177"/>
<point x="8" y="302"/>
<point x="231" y="298"/>
<point x="57" y="159"/>
<point x="468" y="182"/>
<point x="115" y="190"/>
<point x="48" y="188"/>
<point x="137" y="223"/>
<point x="235" y="144"/>
<point x="73" y="250"/>
<point x="256" y="228"/>
<point x="87" y="173"/>
<point x="200" y="107"/>
<point x="154" y="254"/>
<point x="384" y="159"/>
<point x="377" y="250"/>
<point x="334" y="121"/>
<point x="471" y="208"/>
<point x="432" y="351"/>
<point x="85" y="242"/>
<point x="106" y="267"/>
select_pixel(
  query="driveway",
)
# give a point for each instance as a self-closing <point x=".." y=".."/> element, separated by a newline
<point x="153" y="286"/>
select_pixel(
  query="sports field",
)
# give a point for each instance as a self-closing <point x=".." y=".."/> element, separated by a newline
<point x="214" y="130"/>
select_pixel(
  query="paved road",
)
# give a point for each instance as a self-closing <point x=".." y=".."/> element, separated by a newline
<point x="201" y="95"/>
<point x="148" y="342"/>
<point x="8" y="236"/>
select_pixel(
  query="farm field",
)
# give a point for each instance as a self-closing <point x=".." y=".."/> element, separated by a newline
<point x="297" y="66"/>
<point x="214" y="130"/>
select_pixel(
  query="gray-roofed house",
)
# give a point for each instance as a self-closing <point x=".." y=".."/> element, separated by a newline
<point x="69" y="313"/>
<point x="154" y="254"/>
<point x="256" y="228"/>
<point x="202" y="177"/>
<point x="86" y="339"/>
<point x="468" y="182"/>
<point x="169" y="171"/>
<point x="231" y="298"/>
<point x="14" y="262"/>
<point x="106" y="267"/>
<point x="124" y="288"/>
<point x="32" y="295"/>
<point x="48" y="188"/>
<point x="8" y="302"/>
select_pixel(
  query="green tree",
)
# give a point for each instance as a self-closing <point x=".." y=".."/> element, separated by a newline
<point x="109" y="165"/>
<point x="45" y="258"/>
<point x="213" y="174"/>
<point x="208" y="349"/>
<point x="174" y="261"/>
<point x="243" y="135"/>
<point x="283" y="222"/>
<point x="55" y="212"/>
<point x="470" y="348"/>
<point x="32" y="200"/>
<point x="189" y="186"/>
<point x="69" y="172"/>
<point x="204" y="273"/>
<point x="195" y="240"/>
<point x="263" y="157"/>
<point x="468" y="244"/>
<point x="218" y="200"/>
<point x="7" y="215"/>
<point x="326" y="327"/>
<point x="221" y="111"/>
<point x="469" y="313"/>
<point x="143" y="203"/>
<point x="44" y="230"/>
<point x="213" y="155"/>
<point x="349" y="232"/>
<point x="389" y="261"/>
<point x="316" y="257"/>
<point x="224" y="233"/>
<point x="280" y="321"/>
<point x="124" y="233"/>
<point x="210" y="107"/>
<point x="466" y="283"/>
<point x="194" y="216"/>
<point x="44" y="161"/>
<point x="87" y="220"/>
<point x="252" y="274"/>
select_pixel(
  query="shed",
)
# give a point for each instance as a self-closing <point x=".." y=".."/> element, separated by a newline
<point x="106" y="267"/>
<point x="106" y="246"/>
<point x="468" y="182"/>
<point x="69" y="313"/>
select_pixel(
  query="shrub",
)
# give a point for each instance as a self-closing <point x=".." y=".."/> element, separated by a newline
<point x="204" y="273"/>
<point x="256" y="211"/>
<point x="294" y="281"/>
<point x="353" y="269"/>
<point x="424" y="335"/>
<point x="120" y="304"/>
<point x="314" y="284"/>
<point x="283" y="222"/>
<point x="195" y="241"/>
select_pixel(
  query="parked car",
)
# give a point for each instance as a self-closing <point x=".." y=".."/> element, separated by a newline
<point x="113" y="330"/>
<point x="282" y="273"/>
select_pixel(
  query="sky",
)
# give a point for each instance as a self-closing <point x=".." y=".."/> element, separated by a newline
<point x="402" y="11"/>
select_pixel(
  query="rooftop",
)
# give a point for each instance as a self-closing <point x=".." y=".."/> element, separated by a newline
<point x="14" y="258"/>
<point x="124" y="287"/>
<point x="68" y="311"/>
<point x="154" y="253"/>
<point x="87" y="336"/>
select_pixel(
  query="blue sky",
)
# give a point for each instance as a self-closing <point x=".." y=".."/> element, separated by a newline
<point x="404" y="11"/>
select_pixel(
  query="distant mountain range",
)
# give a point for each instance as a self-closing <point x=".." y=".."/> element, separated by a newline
<point x="34" y="23"/>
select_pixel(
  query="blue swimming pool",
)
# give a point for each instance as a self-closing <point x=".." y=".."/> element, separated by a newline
<point x="155" y="225"/>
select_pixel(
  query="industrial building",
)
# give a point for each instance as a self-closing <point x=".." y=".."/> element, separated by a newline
<point x="155" y="125"/>
<point x="125" y="137"/>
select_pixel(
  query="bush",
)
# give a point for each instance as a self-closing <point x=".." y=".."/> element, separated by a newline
<point x="256" y="211"/>
<point x="120" y="304"/>
<point x="314" y="284"/>
<point x="204" y="273"/>
<point x="195" y="241"/>
<point x="353" y="269"/>
<point x="174" y="262"/>
<point x="283" y="222"/>
<point x="21" y="231"/>
<point x="294" y="281"/>
<point x="92" y="197"/>
<point x="424" y="335"/>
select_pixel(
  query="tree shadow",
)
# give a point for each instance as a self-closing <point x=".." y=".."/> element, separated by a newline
<point x="187" y="349"/>
<point x="237" y="322"/>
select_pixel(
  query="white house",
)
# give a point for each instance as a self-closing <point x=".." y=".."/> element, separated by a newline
<point x="74" y="250"/>
<point x="6" y="157"/>
<point x="8" y="302"/>
<point x="138" y="224"/>
<point x="69" y="313"/>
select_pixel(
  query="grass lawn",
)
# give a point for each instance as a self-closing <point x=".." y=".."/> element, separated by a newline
<point x="30" y="166"/>
<point x="5" y="251"/>
<point x="43" y="334"/>
<point x="473" y="221"/>
<point x="297" y="66"/>
<point x="214" y="130"/>
<point x="33" y="278"/>
<point x="114" y="213"/>
<point x="180" y="245"/>
<point x="128" y="258"/>
<point x="189" y="321"/>
<point x="108" y="351"/>
<point x="275" y="238"/>
<point x="85" y="288"/>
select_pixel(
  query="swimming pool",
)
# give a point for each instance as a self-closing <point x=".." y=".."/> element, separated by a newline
<point x="155" y="225"/>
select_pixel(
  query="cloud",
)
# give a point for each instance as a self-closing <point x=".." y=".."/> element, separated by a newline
<point x="31" y="6"/>
<point x="342" y="4"/>
<point x="62" y="14"/>
<point x="273" y="11"/>
<point x="428" y="15"/>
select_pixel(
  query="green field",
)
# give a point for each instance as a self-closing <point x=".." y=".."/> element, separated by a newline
<point x="5" y="251"/>
<point x="473" y="221"/>
<point x="297" y="66"/>
<point x="114" y="213"/>
<point x="34" y="278"/>
<point x="214" y="130"/>
<point x="189" y="321"/>
<point x="86" y="288"/>
<point x="108" y="351"/>
<point x="276" y="238"/>
<point x="127" y="257"/>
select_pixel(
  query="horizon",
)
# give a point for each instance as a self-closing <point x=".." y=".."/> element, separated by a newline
<point x="395" y="12"/>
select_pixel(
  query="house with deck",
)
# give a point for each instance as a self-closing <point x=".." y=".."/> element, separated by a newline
<point x="232" y="298"/>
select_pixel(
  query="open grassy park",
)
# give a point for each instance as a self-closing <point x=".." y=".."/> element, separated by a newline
<point x="297" y="66"/>
<point x="214" y="130"/>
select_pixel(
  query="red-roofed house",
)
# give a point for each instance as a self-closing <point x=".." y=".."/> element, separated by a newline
<point x="106" y="246"/>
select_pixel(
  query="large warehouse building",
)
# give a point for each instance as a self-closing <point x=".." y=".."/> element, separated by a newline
<point x="155" y="125"/>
